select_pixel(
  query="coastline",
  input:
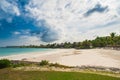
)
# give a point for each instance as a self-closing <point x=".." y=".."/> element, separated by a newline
<point x="74" y="57"/>
<point x="28" y="55"/>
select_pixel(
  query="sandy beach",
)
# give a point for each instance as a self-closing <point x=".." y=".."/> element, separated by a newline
<point x="73" y="57"/>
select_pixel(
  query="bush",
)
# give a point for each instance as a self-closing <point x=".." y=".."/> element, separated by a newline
<point x="59" y="65"/>
<point x="4" y="63"/>
<point x="18" y="65"/>
<point x="44" y="62"/>
<point x="55" y="64"/>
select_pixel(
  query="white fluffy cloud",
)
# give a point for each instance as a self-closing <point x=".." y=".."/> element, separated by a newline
<point x="16" y="33"/>
<point x="67" y="17"/>
<point x="9" y="8"/>
<point x="22" y="40"/>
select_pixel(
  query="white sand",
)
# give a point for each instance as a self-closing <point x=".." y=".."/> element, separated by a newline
<point x="94" y="57"/>
<point x="72" y="57"/>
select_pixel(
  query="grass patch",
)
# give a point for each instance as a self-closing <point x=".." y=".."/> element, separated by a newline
<point x="7" y="74"/>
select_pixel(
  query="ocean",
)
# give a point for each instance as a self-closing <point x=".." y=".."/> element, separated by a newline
<point x="14" y="51"/>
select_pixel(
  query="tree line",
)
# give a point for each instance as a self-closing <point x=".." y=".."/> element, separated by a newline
<point x="113" y="40"/>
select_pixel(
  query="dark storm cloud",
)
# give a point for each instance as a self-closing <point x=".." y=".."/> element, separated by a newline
<point x="67" y="5"/>
<point x="98" y="8"/>
<point x="45" y="33"/>
<point x="10" y="23"/>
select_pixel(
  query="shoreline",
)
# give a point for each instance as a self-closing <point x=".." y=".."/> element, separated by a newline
<point x="31" y="55"/>
<point x="74" y="57"/>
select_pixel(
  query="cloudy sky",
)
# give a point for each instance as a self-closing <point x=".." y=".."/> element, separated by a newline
<point x="24" y="22"/>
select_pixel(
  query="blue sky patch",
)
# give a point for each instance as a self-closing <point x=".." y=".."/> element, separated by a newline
<point x="25" y="22"/>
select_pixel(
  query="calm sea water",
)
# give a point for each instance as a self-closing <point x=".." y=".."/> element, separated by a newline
<point x="12" y="51"/>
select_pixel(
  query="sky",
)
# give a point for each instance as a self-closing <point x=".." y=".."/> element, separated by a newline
<point x="34" y="22"/>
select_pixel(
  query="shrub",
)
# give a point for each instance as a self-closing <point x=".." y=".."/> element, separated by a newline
<point x="59" y="65"/>
<point x="55" y="64"/>
<point x="44" y="62"/>
<point x="18" y="65"/>
<point x="4" y="63"/>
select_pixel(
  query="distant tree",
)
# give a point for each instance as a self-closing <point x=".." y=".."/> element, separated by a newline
<point x="112" y="34"/>
<point x="86" y="44"/>
<point x="112" y="40"/>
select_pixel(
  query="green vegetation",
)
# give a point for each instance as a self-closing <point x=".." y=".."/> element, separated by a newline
<point x="10" y="72"/>
<point x="58" y="65"/>
<point x="4" y="63"/>
<point x="7" y="74"/>
<point x="20" y="64"/>
<point x="108" y="41"/>
<point x="44" y="62"/>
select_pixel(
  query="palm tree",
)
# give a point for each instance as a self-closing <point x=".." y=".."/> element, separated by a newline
<point x="112" y="38"/>
<point x="112" y="34"/>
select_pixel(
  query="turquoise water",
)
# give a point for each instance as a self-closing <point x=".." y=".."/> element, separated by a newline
<point x="14" y="51"/>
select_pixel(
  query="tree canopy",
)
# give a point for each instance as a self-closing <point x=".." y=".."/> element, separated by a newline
<point x="111" y="40"/>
